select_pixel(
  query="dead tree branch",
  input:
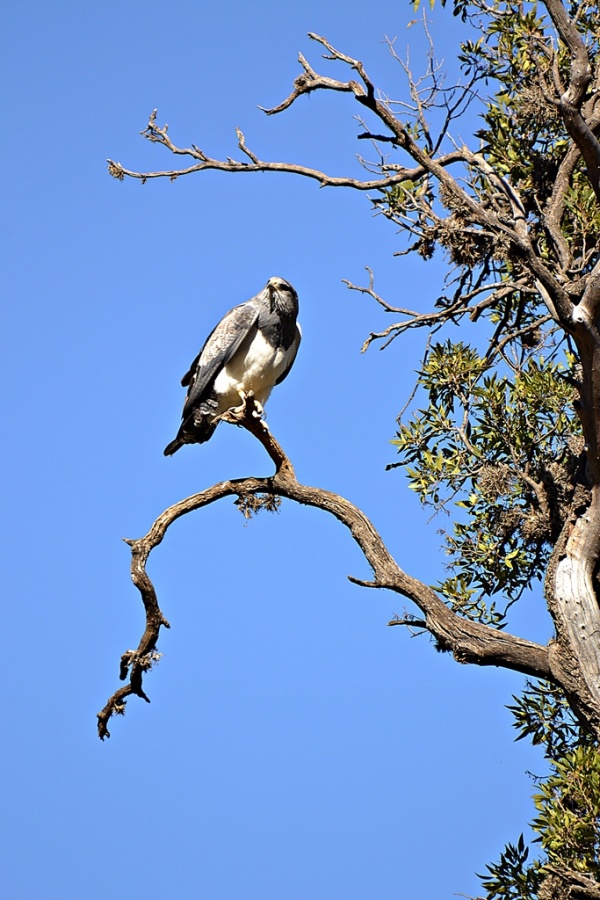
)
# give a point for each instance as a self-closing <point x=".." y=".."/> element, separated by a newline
<point x="470" y="642"/>
<point x="158" y="135"/>
<point x="424" y="163"/>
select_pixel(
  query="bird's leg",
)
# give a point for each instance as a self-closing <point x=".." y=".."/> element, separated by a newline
<point x="249" y="408"/>
<point x="256" y="408"/>
<point x="249" y="403"/>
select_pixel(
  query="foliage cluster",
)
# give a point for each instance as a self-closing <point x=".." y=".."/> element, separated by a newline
<point x="505" y="449"/>
<point x="567" y="801"/>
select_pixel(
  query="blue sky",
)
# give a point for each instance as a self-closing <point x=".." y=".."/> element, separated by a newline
<point x="295" y="747"/>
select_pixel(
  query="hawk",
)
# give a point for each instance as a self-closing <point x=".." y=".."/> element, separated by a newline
<point x="251" y="349"/>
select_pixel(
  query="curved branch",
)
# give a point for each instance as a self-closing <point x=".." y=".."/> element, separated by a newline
<point x="571" y="100"/>
<point x="470" y="642"/>
<point x="311" y="81"/>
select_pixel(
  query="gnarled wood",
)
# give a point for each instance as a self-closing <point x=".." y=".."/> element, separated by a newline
<point x="470" y="642"/>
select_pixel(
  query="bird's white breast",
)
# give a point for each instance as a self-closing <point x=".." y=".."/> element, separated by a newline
<point x="256" y="366"/>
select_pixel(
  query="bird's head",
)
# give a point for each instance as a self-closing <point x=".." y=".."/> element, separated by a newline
<point x="281" y="293"/>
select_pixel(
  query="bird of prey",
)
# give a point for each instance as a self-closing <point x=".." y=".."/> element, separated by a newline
<point x="251" y="349"/>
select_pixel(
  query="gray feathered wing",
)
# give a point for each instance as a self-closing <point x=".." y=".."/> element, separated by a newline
<point x="219" y="347"/>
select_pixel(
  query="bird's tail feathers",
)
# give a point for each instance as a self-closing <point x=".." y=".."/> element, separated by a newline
<point x="173" y="447"/>
<point x="195" y="429"/>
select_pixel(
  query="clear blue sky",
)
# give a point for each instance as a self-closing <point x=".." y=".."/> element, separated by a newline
<point x="295" y="747"/>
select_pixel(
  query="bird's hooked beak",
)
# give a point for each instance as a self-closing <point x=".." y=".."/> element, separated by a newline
<point x="272" y="291"/>
<point x="278" y="290"/>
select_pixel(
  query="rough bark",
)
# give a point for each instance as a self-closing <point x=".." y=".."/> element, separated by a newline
<point x="571" y="587"/>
